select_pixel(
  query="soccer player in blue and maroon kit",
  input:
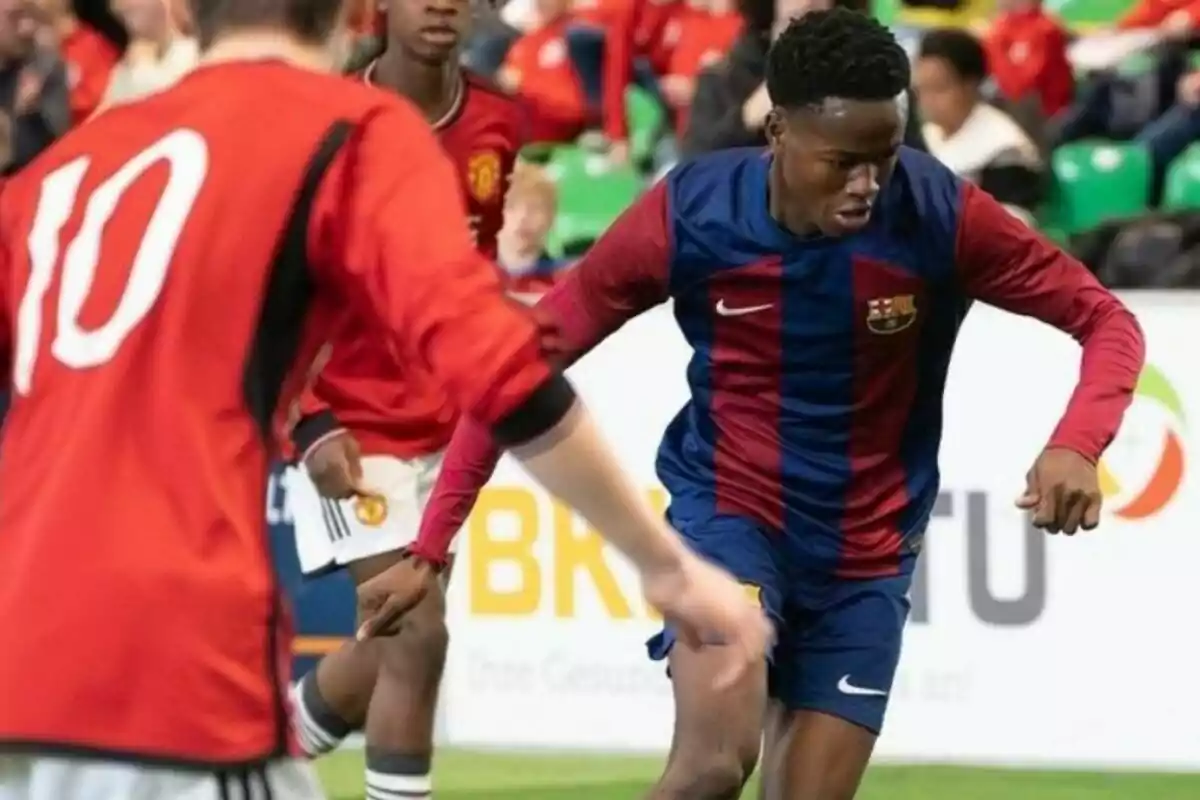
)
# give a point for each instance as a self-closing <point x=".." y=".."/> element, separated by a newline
<point x="821" y="286"/>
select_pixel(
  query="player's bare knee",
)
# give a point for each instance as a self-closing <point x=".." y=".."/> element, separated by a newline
<point x="418" y="651"/>
<point x="712" y="776"/>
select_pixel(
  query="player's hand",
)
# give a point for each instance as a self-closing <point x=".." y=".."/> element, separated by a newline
<point x="756" y="108"/>
<point x="678" y="89"/>
<point x="1189" y="89"/>
<point x="385" y="599"/>
<point x="1063" y="492"/>
<point x="29" y="90"/>
<point x="618" y="154"/>
<point x="1178" y="25"/>
<point x="707" y="606"/>
<point x="335" y="467"/>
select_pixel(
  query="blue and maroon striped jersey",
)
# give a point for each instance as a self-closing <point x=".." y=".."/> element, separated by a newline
<point x="818" y="364"/>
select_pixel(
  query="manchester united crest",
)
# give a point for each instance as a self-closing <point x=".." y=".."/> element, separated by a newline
<point x="891" y="314"/>
<point x="483" y="175"/>
<point x="371" y="510"/>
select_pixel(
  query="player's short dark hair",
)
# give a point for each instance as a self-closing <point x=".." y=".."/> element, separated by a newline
<point x="759" y="15"/>
<point x="835" y="53"/>
<point x="309" y="20"/>
<point x="958" y="48"/>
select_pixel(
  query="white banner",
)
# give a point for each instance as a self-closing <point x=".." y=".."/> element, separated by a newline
<point x="1022" y="647"/>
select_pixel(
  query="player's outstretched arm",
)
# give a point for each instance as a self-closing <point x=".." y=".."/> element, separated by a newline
<point x="1006" y="264"/>
<point x="389" y="223"/>
<point x="624" y="274"/>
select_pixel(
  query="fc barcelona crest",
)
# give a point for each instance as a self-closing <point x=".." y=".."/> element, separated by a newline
<point x="887" y="315"/>
<point x="483" y="175"/>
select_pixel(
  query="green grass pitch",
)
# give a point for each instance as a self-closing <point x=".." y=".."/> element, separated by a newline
<point x="462" y="775"/>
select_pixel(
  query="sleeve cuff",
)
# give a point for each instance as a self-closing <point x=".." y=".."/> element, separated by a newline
<point x="1076" y="444"/>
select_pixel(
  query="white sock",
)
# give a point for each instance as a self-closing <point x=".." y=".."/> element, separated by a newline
<point x="396" y="776"/>
<point x="318" y="727"/>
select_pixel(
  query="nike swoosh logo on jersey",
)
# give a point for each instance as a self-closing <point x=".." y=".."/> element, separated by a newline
<point x="726" y="311"/>
<point x="846" y="687"/>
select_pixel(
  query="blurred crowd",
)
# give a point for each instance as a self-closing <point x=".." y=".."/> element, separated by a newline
<point x="617" y="91"/>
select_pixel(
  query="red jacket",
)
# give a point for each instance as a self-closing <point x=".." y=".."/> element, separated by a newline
<point x="633" y="29"/>
<point x="1152" y="13"/>
<point x="698" y="38"/>
<point x="1027" y="52"/>
<point x="540" y="71"/>
<point x="90" y="59"/>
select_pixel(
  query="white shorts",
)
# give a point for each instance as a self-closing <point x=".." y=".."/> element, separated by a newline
<point x="333" y="533"/>
<point x="52" y="778"/>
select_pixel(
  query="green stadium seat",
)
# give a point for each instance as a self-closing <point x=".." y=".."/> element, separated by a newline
<point x="591" y="194"/>
<point x="1182" y="189"/>
<point x="1095" y="181"/>
<point x="647" y="122"/>
<point x="1084" y="13"/>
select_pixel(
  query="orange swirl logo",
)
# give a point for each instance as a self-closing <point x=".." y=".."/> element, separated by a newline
<point x="1167" y="475"/>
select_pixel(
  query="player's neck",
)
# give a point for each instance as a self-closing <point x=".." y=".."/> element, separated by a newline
<point x="263" y="45"/>
<point x="791" y="219"/>
<point x="433" y="88"/>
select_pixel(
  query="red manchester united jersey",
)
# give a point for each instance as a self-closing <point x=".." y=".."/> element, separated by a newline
<point x="167" y="273"/>
<point x="357" y="389"/>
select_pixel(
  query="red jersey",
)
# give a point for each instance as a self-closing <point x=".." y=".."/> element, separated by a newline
<point x="89" y="58"/>
<point x="403" y="411"/>
<point x="168" y="274"/>
<point x="633" y="29"/>
<point x="541" y="72"/>
<point x="1027" y="52"/>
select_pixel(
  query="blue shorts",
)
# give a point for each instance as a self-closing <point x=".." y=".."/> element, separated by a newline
<point x="838" y="639"/>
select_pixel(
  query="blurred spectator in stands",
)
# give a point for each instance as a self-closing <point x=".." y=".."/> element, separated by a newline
<point x="615" y="43"/>
<point x="701" y="33"/>
<point x="362" y="40"/>
<point x="1118" y="104"/>
<point x="730" y="104"/>
<point x="1027" y="55"/>
<point x="976" y="140"/>
<point x="1168" y="136"/>
<point x="538" y="70"/>
<point x="160" y="52"/>
<point x="34" y="100"/>
<point x="89" y="57"/>
<point x="496" y="26"/>
<point x="529" y="211"/>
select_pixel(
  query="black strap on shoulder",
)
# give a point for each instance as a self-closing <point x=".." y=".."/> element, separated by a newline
<point x="289" y="289"/>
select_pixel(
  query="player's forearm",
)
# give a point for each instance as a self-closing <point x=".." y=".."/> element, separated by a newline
<point x="312" y="429"/>
<point x="469" y="463"/>
<point x="1114" y="351"/>
<point x="573" y="463"/>
<point x="314" y="419"/>
<point x="567" y="331"/>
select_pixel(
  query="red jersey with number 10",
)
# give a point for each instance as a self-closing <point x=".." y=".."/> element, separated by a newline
<point x="357" y="388"/>
<point x="167" y="274"/>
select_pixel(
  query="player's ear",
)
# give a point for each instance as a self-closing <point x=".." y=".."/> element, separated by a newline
<point x="774" y="128"/>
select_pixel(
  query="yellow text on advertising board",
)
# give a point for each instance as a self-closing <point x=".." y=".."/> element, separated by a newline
<point x="573" y="561"/>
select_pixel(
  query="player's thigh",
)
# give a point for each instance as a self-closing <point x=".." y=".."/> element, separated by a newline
<point x="834" y="675"/>
<point x="717" y="734"/>
<point x="714" y="727"/>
